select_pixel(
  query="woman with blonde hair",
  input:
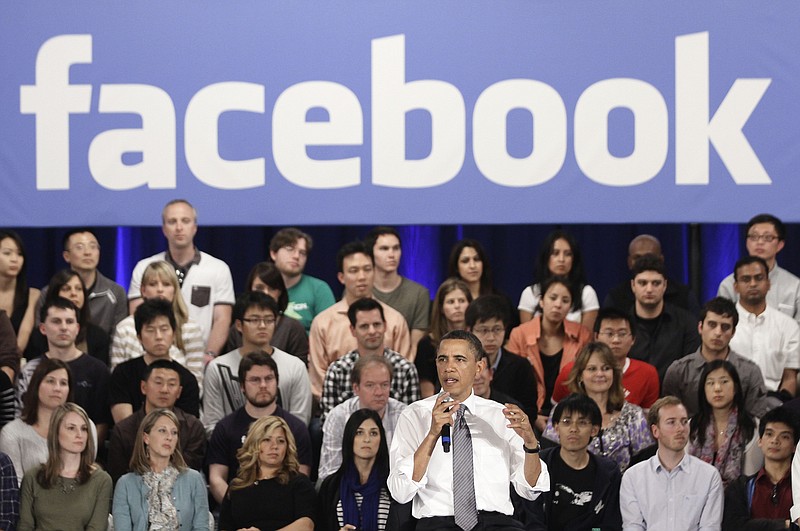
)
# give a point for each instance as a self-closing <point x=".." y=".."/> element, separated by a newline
<point x="448" y="314"/>
<point x="161" y="492"/>
<point x="160" y="281"/>
<point x="69" y="487"/>
<point x="624" y="431"/>
<point x="268" y="470"/>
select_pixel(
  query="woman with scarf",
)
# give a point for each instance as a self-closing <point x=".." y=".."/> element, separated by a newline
<point x="268" y="491"/>
<point x="356" y="497"/>
<point x="723" y="434"/>
<point x="161" y="493"/>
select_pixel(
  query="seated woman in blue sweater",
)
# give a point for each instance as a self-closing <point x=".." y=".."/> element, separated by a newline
<point x="161" y="492"/>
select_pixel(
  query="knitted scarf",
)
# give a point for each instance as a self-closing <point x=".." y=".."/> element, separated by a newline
<point x="365" y="519"/>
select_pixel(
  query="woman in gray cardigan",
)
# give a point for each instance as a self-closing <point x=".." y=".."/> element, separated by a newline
<point x="161" y="492"/>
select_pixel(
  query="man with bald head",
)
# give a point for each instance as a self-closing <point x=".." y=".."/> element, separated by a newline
<point x="621" y="296"/>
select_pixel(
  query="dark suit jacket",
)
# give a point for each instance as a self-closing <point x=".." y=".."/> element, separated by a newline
<point x="514" y="377"/>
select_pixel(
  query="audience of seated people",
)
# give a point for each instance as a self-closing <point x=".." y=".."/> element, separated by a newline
<point x="560" y="256"/>
<point x="289" y="335"/>
<point x="371" y="377"/>
<point x="623" y="430"/>
<point x="159" y="281"/>
<point x="368" y="327"/>
<point x="91" y="339"/>
<point x="735" y="367"/>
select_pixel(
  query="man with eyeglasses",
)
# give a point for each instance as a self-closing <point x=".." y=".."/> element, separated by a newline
<point x="372" y="381"/>
<point x="488" y="318"/>
<point x="254" y="316"/>
<point x="764" y="500"/>
<point x="672" y="490"/>
<point x="259" y="378"/>
<point x="308" y="296"/>
<point x="718" y="323"/>
<point x="640" y="379"/>
<point x="766" y="237"/>
<point x="108" y="304"/>
<point x="765" y="335"/>
<point x="206" y="282"/>
<point x="584" y="488"/>
<point x="368" y="327"/>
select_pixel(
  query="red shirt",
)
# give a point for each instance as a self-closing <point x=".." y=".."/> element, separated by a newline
<point x="763" y="506"/>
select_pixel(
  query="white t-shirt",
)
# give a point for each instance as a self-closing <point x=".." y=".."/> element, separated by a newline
<point x="207" y="284"/>
<point x="529" y="301"/>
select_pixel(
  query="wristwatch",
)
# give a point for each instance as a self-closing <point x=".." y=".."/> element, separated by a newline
<point x="532" y="450"/>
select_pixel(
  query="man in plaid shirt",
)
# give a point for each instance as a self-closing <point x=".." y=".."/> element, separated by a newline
<point x="368" y="325"/>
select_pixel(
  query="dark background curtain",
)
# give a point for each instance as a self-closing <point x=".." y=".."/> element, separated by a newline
<point x="700" y="255"/>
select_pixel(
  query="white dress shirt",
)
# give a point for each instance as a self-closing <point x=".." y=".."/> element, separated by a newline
<point x="783" y="294"/>
<point x="688" y="498"/>
<point x="771" y="340"/>
<point x="498" y="461"/>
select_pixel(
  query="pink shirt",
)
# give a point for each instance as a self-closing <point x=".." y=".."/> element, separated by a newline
<point x="330" y="339"/>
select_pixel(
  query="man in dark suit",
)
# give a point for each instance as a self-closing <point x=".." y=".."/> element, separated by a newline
<point x="487" y="317"/>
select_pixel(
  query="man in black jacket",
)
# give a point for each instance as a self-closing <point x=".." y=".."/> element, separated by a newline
<point x="584" y="488"/>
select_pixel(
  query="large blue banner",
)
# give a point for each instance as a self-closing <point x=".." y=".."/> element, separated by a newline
<point x="347" y="112"/>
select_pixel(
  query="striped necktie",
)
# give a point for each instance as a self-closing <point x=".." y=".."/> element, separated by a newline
<point x="465" y="509"/>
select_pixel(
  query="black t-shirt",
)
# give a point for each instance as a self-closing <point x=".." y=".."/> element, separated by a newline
<point x="91" y="387"/>
<point x="244" y="508"/>
<point x="551" y="366"/>
<point x="229" y="434"/>
<point x="572" y="491"/>
<point x="126" y="386"/>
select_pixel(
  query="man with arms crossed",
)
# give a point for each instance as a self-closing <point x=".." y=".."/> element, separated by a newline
<point x="492" y="446"/>
<point x="672" y="490"/>
<point x="206" y="282"/>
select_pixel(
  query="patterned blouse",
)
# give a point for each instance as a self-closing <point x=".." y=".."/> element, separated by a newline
<point x="629" y="435"/>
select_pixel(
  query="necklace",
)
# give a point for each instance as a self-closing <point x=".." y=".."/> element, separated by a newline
<point x="67" y="485"/>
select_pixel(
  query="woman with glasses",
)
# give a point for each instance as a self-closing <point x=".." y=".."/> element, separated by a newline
<point x="624" y="431"/>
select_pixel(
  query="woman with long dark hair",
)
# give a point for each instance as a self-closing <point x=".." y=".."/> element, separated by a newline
<point x="624" y="430"/>
<point x="561" y="256"/>
<point x="161" y="492"/>
<point x="356" y="495"/>
<point x="723" y="433"/>
<point x="69" y="490"/>
<point x="25" y="439"/>
<point x="289" y="335"/>
<point x="91" y="339"/>
<point x="449" y="309"/>
<point x="549" y="341"/>
<point x="16" y="298"/>
<point x="268" y="470"/>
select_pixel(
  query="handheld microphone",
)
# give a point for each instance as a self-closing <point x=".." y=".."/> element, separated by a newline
<point x="445" y="434"/>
